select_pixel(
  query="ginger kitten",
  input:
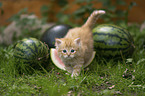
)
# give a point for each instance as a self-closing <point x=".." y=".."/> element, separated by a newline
<point x="76" y="48"/>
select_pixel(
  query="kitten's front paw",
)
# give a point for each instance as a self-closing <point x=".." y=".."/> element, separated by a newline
<point x="74" y="75"/>
<point x="99" y="12"/>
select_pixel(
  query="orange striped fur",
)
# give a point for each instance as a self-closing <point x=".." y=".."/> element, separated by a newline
<point x="76" y="48"/>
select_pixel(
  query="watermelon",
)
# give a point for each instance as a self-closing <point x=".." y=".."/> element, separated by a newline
<point x="31" y="51"/>
<point x="56" y="31"/>
<point x="112" y="41"/>
<point x="58" y="62"/>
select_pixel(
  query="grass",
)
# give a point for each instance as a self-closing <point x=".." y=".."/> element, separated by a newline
<point x="100" y="78"/>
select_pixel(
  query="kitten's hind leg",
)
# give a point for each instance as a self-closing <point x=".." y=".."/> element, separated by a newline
<point x="92" y="18"/>
<point x="99" y="12"/>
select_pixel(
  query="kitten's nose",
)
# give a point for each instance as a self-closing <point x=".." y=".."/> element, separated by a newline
<point x="68" y="54"/>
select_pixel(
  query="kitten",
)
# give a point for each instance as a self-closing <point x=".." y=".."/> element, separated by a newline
<point x="76" y="48"/>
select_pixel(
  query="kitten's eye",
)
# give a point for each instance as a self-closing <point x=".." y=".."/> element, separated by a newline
<point x="64" y="51"/>
<point x="72" y="51"/>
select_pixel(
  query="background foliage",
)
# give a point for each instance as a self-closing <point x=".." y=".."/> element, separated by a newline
<point x="113" y="15"/>
<point x="88" y="6"/>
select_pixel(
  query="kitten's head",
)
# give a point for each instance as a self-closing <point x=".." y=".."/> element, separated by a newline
<point x="67" y="48"/>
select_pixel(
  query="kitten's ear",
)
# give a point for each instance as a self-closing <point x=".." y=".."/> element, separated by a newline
<point x="77" y="41"/>
<point x="57" y="42"/>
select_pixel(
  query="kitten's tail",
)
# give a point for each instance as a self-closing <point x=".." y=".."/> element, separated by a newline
<point x="93" y="17"/>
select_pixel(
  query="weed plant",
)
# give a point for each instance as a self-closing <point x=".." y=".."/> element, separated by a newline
<point x="102" y="77"/>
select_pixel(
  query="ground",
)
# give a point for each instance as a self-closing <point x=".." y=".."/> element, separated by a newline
<point x="102" y="77"/>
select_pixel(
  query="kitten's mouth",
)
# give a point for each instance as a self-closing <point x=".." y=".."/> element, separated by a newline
<point x="69" y="57"/>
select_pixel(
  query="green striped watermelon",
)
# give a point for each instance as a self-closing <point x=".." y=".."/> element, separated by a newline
<point x="31" y="51"/>
<point x="112" y="41"/>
